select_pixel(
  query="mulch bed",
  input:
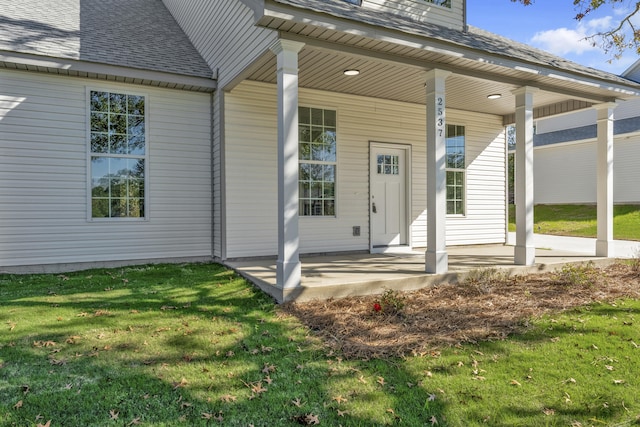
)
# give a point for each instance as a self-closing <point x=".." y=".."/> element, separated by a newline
<point x="489" y="307"/>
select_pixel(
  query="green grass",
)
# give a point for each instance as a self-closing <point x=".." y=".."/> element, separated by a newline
<point x="196" y="345"/>
<point x="580" y="220"/>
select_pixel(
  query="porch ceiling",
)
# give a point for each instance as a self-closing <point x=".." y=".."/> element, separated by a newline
<point x="393" y="57"/>
<point x="323" y="70"/>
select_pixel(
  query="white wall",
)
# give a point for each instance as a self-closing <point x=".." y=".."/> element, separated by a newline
<point x="251" y="203"/>
<point x="224" y="33"/>
<point x="43" y="175"/>
<point x="566" y="173"/>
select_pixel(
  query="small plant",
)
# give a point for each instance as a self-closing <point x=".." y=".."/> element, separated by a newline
<point x="584" y="275"/>
<point x="391" y="302"/>
<point x="635" y="262"/>
<point x="483" y="279"/>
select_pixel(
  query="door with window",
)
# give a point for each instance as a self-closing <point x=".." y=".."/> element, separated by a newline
<point x="388" y="198"/>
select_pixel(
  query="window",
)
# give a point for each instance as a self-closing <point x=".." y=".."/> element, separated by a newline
<point x="444" y="3"/>
<point x="388" y="165"/>
<point x="356" y="2"/>
<point x="117" y="155"/>
<point x="317" y="160"/>
<point x="455" y="169"/>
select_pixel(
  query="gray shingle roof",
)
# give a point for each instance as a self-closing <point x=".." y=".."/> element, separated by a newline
<point x="139" y="34"/>
<point x="620" y="127"/>
<point x="474" y="38"/>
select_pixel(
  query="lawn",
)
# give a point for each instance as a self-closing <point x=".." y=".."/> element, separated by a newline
<point x="580" y="220"/>
<point x="194" y="344"/>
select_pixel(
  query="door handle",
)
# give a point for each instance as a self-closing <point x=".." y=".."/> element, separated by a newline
<point x="373" y="208"/>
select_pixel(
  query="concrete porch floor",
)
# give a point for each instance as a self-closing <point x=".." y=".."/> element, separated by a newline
<point x="342" y="275"/>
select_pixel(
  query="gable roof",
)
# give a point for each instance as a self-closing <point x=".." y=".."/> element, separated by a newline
<point x="633" y="72"/>
<point x="137" y="34"/>
<point x="474" y="38"/>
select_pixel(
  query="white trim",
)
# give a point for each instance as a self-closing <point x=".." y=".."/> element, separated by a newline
<point x="403" y="38"/>
<point x="408" y="194"/>
<point x="72" y="67"/>
<point x="464" y="171"/>
<point x="316" y="218"/>
<point x="146" y="157"/>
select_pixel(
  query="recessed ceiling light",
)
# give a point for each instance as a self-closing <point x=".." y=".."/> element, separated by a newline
<point x="494" y="96"/>
<point x="351" y="72"/>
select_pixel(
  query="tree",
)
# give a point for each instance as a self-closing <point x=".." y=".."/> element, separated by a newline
<point x="623" y="34"/>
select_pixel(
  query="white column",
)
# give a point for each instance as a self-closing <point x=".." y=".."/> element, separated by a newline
<point x="604" y="243"/>
<point x="525" y="251"/>
<point x="288" y="274"/>
<point x="436" y="258"/>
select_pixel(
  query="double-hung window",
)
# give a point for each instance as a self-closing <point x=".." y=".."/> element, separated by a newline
<point x="317" y="161"/>
<point x="455" y="166"/>
<point x="118" y="149"/>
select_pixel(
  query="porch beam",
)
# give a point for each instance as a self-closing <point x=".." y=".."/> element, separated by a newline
<point x="288" y="266"/>
<point x="604" y="242"/>
<point x="436" y="257"/>
<point x="525" y="251"/>
<point x="391" y="58"/>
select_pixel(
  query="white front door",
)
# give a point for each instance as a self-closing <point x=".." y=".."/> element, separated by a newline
<point x="387" y="204"/>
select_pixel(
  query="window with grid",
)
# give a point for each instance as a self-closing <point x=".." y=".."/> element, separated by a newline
<point x="317" y="161"/>
<point x="117" y="155"/>
<point x="455" y="164"/>
<point x="444" y="3"/>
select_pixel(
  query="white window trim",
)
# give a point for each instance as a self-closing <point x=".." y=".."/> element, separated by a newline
<point x="87" y="122"/>
<point x="465" y="174"/>
<point x="316" y="218"/>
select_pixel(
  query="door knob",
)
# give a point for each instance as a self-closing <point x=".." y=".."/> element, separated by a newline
<point x="373" y="208"/>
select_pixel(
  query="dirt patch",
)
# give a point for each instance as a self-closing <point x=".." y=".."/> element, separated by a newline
<point x="488" y="306"/>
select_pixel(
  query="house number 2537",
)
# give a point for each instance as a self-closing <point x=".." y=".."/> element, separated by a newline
<point x="440" y="116"/>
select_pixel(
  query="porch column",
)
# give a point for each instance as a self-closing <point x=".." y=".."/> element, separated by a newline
<point x="525" y="250"/>
<point x="604" y="243"/>
<point x="436" y="258"/>
<point x="288" y="271"/>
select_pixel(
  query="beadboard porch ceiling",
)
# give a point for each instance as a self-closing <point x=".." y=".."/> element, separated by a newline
<point x="324" y="70"/>
<point x="393" y="53"/>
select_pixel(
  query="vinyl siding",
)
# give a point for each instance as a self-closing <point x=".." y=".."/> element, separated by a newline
<point x="223" y="32"/>
<point x="251" y="172"/>
<point x="422" y="11"/>
<point x="43" y="176"/>
<point x="566" y="173"/>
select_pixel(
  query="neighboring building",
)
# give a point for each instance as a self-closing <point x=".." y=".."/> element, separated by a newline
<point x="148" y="130"/>
<point x="565" y="154"/>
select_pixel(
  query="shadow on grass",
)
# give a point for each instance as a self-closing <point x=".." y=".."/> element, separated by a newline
<point x="180" y="345"/>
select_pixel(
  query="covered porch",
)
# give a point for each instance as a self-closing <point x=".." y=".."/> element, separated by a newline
<point x="454" y="78"/>
<point x="343" y="275"/>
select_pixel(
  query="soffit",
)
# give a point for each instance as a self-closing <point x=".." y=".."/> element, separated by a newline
<point x="323" y="70"/>
<point x="393" y="65"/>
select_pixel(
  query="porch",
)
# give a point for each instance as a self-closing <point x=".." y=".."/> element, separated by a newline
<point x="342" y="275"/>
<point x="302" y="119"/>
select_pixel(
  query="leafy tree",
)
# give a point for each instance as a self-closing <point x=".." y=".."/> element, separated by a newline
<point x="623" y="34"/>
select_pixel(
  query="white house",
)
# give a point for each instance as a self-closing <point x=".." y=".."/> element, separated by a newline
<point x="149" y="130"/>
<point x="565" y="154"/>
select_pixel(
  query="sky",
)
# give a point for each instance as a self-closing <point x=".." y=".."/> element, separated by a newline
<point x="550" y="25"/>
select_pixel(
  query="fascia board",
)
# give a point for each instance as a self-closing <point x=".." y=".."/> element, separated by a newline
<point x="110" y="72"/>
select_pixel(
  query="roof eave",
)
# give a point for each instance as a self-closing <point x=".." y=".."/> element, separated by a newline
<point x="77" y="68"/>
<point x="274" y="10"/>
